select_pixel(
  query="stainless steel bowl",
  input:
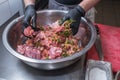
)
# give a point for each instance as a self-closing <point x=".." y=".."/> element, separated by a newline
<point x="12" y="32"/>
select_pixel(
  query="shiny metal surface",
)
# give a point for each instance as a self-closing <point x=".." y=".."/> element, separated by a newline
<point x="12" y="68"/>
<point x="11" y="37"/>
<point x="100" y="70"/>
<point x="117" y="76"/>
<point x="98" y="45"/>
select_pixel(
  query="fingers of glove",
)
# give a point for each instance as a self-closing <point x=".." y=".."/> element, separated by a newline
<point x="33" y="22"/>
<point x="64" y="19"/>
<point x="74" y="27"/>
<point x="23" y="27"/>
<point x="26" y="21"/>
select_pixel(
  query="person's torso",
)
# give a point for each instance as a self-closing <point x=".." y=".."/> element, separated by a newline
<point x="41" y="4"/>
<point x="69" y="2"/>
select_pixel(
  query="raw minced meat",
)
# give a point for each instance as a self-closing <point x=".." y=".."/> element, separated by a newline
<point x="50" y="42"/>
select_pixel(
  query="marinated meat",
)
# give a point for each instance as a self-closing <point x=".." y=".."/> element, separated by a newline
<point x="28" y="31"/>
<point x="50" y="42"/>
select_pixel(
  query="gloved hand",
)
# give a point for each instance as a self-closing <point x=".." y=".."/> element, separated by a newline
<point x="30" y="16"/>
<point x="75" y="15"/>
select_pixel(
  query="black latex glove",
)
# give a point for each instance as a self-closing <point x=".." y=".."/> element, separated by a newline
<point x="30" y="16"/>
<point x="75" y="15"/>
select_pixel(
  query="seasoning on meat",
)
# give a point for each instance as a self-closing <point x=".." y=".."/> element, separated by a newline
<point x="50" y="42"/>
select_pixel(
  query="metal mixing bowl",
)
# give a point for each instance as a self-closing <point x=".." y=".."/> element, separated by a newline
<point x="12" y="32"/>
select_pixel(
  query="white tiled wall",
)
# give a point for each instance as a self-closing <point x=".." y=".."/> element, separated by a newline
<point x="15" y="6"/>
<point x="4" y="12"/>
<point x="8" y="8"/>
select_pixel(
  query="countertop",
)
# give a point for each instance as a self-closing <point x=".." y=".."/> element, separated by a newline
<point x="12" y="68"/>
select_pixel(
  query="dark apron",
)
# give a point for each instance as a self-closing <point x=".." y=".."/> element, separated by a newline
<point x="63" y="4"/>
<point x="56" y="4"/>
<point x="69" y="2"/>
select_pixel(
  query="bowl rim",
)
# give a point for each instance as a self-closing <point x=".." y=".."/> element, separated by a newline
<point x="24" y="58"/>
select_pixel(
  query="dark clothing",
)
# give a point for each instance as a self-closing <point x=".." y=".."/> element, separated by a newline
<point x="69" y="2"/>
<point x="42" y="4"/>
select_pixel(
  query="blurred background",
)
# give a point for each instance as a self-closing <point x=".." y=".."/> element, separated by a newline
<point x="108" y="12"/>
